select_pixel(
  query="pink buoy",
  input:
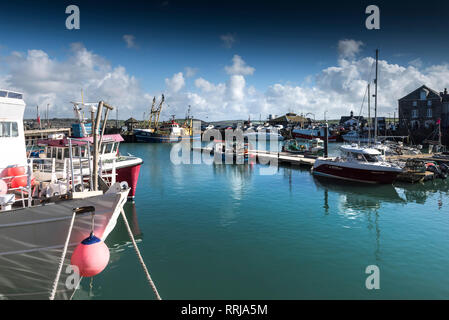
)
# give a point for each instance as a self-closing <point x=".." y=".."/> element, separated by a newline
<point x="3" y="187"/>
<point x="91" y="256"/>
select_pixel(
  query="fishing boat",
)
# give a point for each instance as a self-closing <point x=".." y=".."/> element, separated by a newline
<point x="312" y="133"/>
<point x="231" y="151"/>
<point x="113" y="165"/>
<point x="361" y="164"/>
<point x="312" y="147"/>
<point x="169" y="133"/>
<point x="33" y="227"/>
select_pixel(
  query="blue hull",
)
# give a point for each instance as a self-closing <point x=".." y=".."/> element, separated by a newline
<point x="164" y="139"/>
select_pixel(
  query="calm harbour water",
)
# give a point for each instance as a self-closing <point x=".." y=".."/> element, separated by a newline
<point x="228" y="232"/>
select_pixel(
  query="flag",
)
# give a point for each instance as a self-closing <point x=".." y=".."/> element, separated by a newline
<point x="39" y="119"/>
<point x="438" y="121"/>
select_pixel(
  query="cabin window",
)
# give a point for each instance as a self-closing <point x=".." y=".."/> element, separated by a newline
<point x="372" y="158"/>
<point x="415" y="103"/>
<point x="59" y="154"/>
<point x="8" y="129"/>
<point x="116" y="147"/>
<point x="429" y="113"/>
<point x="415" y="113"/>
<point x="109" y="147"/>
<point x="3" y="94"/>
<point x="429" y="103"/>
<point x="14" y="95"/>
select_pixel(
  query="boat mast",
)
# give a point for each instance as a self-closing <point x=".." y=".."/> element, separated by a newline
<point x="375" y="97"/>
<point x="369" y="116"/>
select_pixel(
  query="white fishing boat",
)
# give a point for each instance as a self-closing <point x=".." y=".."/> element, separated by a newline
<point x="34" y="228"/>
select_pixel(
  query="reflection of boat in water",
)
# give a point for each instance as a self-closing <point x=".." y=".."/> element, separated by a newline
<point x="359" y="195"/>
<point x="120" y="236"/>
<point x="419" y="192"/>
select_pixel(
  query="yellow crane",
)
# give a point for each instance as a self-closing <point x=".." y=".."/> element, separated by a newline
<point x="155" y="113"/>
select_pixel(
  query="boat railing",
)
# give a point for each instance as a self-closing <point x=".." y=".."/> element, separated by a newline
<point x="79" y="173"/>
<point x="20" y="193"/>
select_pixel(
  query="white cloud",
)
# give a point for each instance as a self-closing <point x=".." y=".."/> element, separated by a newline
<point x="337" y="89"/>
<point x="175" y="83"/>
<point x="190" y="72"/>
<point x="416" y="63"/>
<point x="349" y="48"/>
<point x="239" y="67"/>
<point x="130" y="41"/>
<point x="228" y="40"/>
<point x="236" y="87"/>
<point x="46" y="80"/>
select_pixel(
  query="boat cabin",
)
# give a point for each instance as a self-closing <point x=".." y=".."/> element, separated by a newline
<point x="354" y="152"/>
<point x="12" y="136"/>
<point x="59" y="148"/>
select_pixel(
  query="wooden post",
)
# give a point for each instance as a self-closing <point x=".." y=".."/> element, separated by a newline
<point x="96" y="145"/>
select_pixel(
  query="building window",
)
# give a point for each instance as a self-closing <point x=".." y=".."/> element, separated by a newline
<point x="423" y="95"/>
<point x="415" y="103"/>
<point x="415" y="113"/>
<point x="429" y="113"/>
<point x="429" y="103"/>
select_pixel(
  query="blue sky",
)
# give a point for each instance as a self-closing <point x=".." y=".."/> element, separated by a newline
<point x="287" y="43"/>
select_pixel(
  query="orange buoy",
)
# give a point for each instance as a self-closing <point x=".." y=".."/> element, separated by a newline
<point x="18" y="182"/>
<point x="3" y="187"/>
<point x="91" y="256"/>
<point x="16" y="171"/>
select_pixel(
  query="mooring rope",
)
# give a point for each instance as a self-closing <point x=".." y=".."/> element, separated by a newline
<point x="61" y="263"/>
<point x="145" y="269"/>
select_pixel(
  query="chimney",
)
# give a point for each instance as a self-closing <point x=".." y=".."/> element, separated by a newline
<point x="445" y="91"/>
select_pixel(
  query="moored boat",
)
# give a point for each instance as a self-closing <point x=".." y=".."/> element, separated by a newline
<point x="312" y="147"/>
<point x="127" y="167"/>
<point x="358" y="164"/>
<point x="312" y="133"/>
<point x="33" y="226"/>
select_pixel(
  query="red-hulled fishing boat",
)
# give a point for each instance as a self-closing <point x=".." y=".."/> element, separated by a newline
<point x="126" y="167"/>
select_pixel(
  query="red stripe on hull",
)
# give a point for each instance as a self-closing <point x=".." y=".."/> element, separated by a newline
<point x="131" y="176"/>
<point x="368" y="176"/>
<point x="309" y="137"/>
